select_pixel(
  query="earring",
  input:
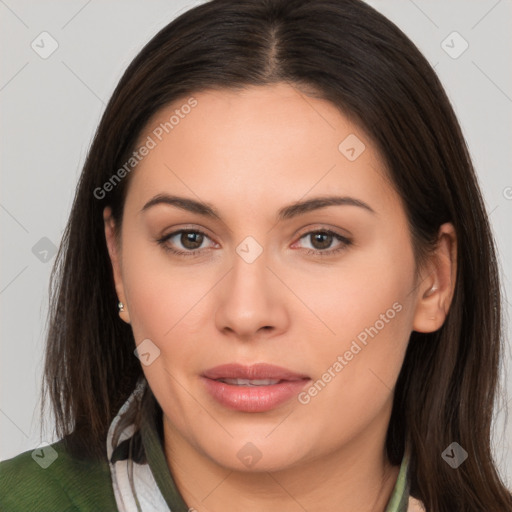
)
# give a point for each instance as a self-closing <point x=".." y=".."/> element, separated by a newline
<point x="431" y="291"/>
<point x="120" y="305"/>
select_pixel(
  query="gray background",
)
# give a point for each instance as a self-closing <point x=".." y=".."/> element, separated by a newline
<point x="51" y="107"/>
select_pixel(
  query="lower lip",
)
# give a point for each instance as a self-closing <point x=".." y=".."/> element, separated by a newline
<point x="253" y="398"/>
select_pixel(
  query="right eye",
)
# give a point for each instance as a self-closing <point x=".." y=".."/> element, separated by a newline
<point x="190" y="239"/>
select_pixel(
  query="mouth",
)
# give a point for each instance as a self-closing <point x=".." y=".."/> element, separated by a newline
<point x="248" y="382"/>
<point x="257" y="388"/>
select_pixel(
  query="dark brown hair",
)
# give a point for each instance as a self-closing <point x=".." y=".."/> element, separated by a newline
<point x="347" y="53"/>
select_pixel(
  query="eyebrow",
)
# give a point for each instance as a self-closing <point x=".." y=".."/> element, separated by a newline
<point x="285" y="213"/>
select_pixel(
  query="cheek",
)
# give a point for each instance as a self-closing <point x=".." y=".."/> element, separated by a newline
<point x="164" y="297"/>
<point x="370" y="309"/>
<point x="368" y="295"/>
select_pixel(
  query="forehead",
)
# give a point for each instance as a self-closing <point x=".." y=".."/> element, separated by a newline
<point x="256" y="144"/>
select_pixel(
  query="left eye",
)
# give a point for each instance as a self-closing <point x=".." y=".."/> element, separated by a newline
<point x="321" y="241"/>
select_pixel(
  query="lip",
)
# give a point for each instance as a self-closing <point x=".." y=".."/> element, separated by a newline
<point x="253" y="398"/>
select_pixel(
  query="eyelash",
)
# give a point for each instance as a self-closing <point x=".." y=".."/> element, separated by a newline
<point x="345" y="242"/>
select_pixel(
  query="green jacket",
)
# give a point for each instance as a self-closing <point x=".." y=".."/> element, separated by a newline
<point x="67" y="485"/>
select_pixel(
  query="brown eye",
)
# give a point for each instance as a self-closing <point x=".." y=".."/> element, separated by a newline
<point x="321" y="240"/>
<point x="191" y="239"/>
<point x="185" y="242"/>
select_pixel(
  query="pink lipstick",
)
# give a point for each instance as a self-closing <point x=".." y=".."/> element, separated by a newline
<point x="257" y="388"/>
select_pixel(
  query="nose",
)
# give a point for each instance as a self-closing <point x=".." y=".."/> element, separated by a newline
<point x="251" y="302"/>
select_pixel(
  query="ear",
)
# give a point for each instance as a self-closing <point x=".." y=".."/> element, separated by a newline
<point x="114" y="251"/>
<point x="437" y="284"/>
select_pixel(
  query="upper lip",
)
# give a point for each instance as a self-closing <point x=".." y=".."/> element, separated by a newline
<point x="259" y="371"/>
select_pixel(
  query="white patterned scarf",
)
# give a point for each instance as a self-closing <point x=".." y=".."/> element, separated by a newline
<point x="135" y="488"/>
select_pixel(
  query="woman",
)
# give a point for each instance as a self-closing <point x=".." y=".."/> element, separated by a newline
<point x="279" y="218"/>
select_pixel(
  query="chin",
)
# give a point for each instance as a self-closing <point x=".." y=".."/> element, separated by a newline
<point x="264" y="455"/>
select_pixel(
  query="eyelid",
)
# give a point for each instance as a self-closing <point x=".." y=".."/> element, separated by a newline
<point x="178" y="229"/>
<point x="314" y="228"/>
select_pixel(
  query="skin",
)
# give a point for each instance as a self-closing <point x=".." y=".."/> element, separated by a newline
<point x="248" y="154"/>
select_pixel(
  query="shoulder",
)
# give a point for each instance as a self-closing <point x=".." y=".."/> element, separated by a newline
<point x="49" y="478"/>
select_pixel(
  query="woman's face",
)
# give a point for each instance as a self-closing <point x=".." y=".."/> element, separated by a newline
<point x="277" y="332"/>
